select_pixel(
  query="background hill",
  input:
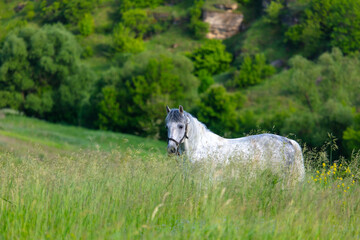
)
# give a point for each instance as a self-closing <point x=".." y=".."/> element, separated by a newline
<point x="292" y="68"/>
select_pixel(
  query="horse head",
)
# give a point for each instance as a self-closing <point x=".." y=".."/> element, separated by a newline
<point x="176" y="124"/>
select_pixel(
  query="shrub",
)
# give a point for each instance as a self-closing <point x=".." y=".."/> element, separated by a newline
<point x="218" y="110"/>
<point x="86" y="25"/>
<point x="41" y="73"/>
<point x="252" y="71"/>
<point x="132" y="99"/>
<point x="352" y="135"/>
<point x="273" y="12"/>
<point x="138" y="21"/>
<point x="326" y="24"/>
<point x="211" y="57"/>
<point x="198" y="28"/>
<point x="66" y="11"/>
<point x="124" y="40"/>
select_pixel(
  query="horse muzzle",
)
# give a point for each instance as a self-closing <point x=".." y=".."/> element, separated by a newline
<point x="171" y="149"/>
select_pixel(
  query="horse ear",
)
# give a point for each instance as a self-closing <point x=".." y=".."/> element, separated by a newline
<point x="181" y="109"/>
<point x="167" y="109"/>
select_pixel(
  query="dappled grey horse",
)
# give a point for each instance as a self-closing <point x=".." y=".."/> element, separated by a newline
<point x="187" y="135"/>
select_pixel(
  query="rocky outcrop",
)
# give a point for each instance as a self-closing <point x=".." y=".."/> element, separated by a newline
<point x="223" y="24"/>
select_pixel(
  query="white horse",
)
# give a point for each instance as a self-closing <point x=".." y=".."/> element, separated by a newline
<point x="187" y="135"/>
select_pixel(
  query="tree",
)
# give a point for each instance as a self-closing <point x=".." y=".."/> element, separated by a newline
<point x="132" y="99"/>
<point x="42" y="75"/>
<point x="138" y="21"/>
<point x="66" y="11"/>
<point x="124" y="40"/>
<point x="218" y="110"/>
<point x="326" y="24"/>
<point x="211" y="57"/>
<point x="252" y="71"/>
<point x="86" y="25"/>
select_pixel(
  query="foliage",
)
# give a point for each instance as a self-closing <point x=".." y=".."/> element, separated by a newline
<point x="273" y="12"/>
<point x="352" y="135"/>
<point x="42" y="66"/>
<point x="253" y="70"/>
<point x="126" y="5"/>
<point x="124" y="40"/>
<point x="132" y="99"/>
<point x="211" y="57"/>
<point x="86" y="25"/>
<point x="66" y="11"/>
<point x="218" y="110"/>
<point x="197" y="27"/>
<point x="326" y="24"/>
<point x="327" y="91"/>
<point x="138" y="21"/>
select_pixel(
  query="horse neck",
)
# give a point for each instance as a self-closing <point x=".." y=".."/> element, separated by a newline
<point x="199" y="135"/>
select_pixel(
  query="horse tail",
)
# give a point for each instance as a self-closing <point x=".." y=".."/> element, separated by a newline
<point x="299" y="168"/>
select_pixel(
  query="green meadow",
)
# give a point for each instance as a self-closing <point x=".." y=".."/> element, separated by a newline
<point x="61" y="182"/>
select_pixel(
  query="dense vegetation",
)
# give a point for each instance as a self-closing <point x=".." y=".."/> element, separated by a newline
<point x="73" y="183"/>
<point x="115" y="64"/>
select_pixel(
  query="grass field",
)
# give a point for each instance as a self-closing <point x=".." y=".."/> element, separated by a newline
<point x="60" y="182"/>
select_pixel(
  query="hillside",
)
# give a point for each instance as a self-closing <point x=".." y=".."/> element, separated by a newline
<point x="288" y="67"/>
<point x="24" y="135"/>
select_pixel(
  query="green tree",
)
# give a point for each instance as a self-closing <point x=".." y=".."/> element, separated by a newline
<point x="138" y="21"/>
<point x="197" y="27"/>
<point x="326" y="24"/>
<point x="252" y="71"/>
<point x="132" y="99"/>
<point x="124" y="40"/>
<point x="352" y="135"/>
<point x="66" y="11"/>
<point x="41" y="73"/>
<point x="86" y="25"/>
<point x="211" y="57"/>
<point x="218" y="110"/>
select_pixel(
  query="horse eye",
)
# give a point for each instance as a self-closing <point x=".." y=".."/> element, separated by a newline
<point x="181" y="126"/>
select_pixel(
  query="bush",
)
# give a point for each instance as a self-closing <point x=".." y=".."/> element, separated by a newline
<point x="218" y="110"/>
<point x="126" y="5"/>
<point x="273" y="12"/>
<point x="252" y="71"/>
<point x="352" y="135"/>
<point x="86" y="25"/>
<point x="124" y="40"/>
<point x="66" y="11"/>
<point x="211" y="57"/>
<point x="138" y="21"/>
<point x="132" y="99"/>
<point x="327" y="24"/>
<point x="197" y="27"/>
<point x="41" y="73"/>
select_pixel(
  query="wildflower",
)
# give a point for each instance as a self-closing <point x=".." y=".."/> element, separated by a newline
<point x="343" y="185"/>
<point x="344" y="190"/>
<point x="353" y="181"/>
<point x="348" y="187"/>
<point x="324" y="164"/>
<point x="338" y="186"/>
<point x="341" y="178"/>
<point x="317" y="172"/>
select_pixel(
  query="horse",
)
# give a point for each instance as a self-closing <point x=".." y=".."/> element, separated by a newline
<point x="188" y="136"/>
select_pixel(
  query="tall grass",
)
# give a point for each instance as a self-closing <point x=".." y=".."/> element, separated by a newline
<point x="118" y="195"/>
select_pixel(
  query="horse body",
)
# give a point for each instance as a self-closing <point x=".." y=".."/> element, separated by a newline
<point x="266" y="150"/>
